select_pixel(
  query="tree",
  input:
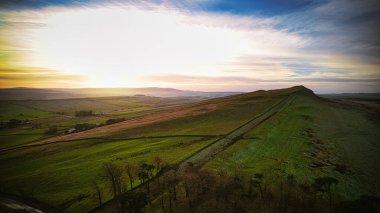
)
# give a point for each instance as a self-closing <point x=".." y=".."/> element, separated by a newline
<point x="98" y="191"/>
<point x="13" y="123"/>
<point x="134" y="201"/>
<point x="113" y="173"/>
<point x="171" y="181"/>
<point x="131" y="172"/>
<point x="144" y="177"/>
<point x="158" y="161"/>
<point x="257" y="182"/>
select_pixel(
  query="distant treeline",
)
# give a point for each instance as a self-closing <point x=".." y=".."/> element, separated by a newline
<point x="87" y="126"/>
<point x="13" y="123"/>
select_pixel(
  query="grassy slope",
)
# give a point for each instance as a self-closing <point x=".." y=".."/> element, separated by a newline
<point x="15" y="137"/>
<point x="355" y="135"/>
<point x="280" y="147"/>
<point x="10" y="110"/>
<point x="221" y="121"/>
<point x="274" y="147"/>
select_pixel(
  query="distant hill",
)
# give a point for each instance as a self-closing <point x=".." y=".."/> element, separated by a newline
<point x="22" y="93"/>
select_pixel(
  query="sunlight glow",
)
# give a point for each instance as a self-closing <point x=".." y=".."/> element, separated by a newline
<point x="113" y="46"/>
<point x="128" y="45"/>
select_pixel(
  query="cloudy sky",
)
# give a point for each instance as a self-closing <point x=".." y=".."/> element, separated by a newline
<point x="210" y="45"/>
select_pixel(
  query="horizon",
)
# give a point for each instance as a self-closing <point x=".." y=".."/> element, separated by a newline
<point x="170" y="88"/>
<point x="205" y="45"/>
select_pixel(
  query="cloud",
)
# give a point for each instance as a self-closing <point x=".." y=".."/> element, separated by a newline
<point x="221" y="80"/>
<point x="339" y="26"/>
<point x="114" y="44"/>
<point x="136" y="43"/>
<point x="37" y="77"/>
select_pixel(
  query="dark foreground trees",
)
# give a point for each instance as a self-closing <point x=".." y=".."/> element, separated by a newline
<point x="193" y="190"/>
<point x="133" y="202"/>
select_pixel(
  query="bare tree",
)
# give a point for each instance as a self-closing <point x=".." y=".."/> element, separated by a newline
<point x="113" y="173"/>
<point x="171" y="181"/>
<point x="98" y="191"/>
<point x="131" y="173"/>
<point x="158" y="161"/>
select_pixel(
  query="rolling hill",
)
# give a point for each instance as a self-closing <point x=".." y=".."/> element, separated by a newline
<point x="22" y="93"/>
<point x="277" y="134"/>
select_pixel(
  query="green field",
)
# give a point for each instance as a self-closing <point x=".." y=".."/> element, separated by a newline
<point x="57" y="173"/>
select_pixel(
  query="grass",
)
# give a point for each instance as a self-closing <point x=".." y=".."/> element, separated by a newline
<point x="291" y="142"/>
<point x="355" y="134"/>
<point x="57" y="173"/>
<point x="274" y="148"/>
<point x="12" y="110"/>
<point x="15" y="140"/>
<point x="279" y="148"/>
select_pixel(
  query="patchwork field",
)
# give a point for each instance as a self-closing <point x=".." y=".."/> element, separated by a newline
<point x="37" y="115"/>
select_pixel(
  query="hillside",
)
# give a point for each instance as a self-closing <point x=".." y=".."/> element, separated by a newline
<point x="58" y="93"/>
<point x="276" y="133"/>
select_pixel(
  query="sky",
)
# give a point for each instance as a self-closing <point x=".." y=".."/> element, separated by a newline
<point x="329" y="46"/>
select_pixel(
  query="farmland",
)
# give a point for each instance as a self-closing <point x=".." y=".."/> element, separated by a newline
<point x="40" y="114"/>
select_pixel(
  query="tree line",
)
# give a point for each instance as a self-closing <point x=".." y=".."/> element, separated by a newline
<point x="151" y="187"/>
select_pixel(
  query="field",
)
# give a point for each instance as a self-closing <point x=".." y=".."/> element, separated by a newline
<point x="59" y="173"/>
<point x="292" y="132"/>
<point x="40" y="114"/>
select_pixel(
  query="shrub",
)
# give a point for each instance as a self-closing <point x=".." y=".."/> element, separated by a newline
<point x="114" y="120"/>
<point x="84" y="126"/>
